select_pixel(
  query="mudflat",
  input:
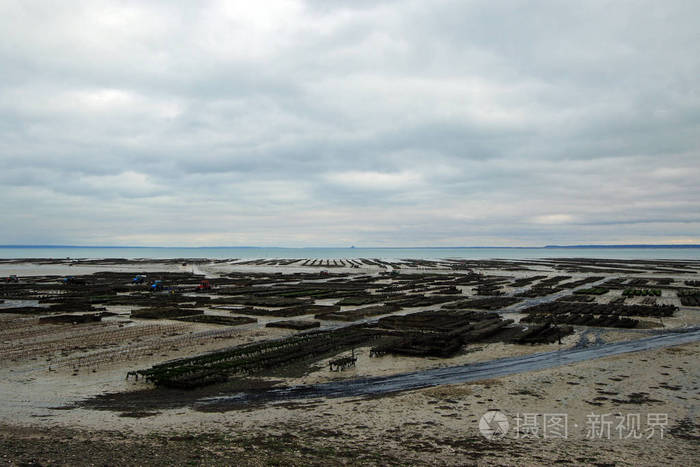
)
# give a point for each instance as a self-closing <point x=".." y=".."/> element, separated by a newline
<point x="173" y="361"/>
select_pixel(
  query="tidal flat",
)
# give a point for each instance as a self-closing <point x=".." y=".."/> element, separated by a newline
<point x="337" y="361"/>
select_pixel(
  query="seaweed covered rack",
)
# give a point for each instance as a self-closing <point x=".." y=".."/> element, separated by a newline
<point x="250" y="359"/>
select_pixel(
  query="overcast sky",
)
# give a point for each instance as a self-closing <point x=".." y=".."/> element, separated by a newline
<point x="395" y="123"/>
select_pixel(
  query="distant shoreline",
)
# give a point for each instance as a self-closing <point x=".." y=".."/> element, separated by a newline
<point x="364" y="247"/>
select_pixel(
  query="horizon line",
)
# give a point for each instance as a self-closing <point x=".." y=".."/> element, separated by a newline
<point x="633" y="245"/>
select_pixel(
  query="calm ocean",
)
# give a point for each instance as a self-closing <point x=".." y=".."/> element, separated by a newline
<point x="680" y="253"/>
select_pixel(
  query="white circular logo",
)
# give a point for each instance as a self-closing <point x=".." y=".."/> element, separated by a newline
<point x="493" y="425"/>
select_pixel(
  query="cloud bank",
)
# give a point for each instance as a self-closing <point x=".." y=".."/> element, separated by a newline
<point x="324" y="123"/>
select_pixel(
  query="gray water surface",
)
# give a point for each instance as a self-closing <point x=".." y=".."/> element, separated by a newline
<point x="677" y="253"/>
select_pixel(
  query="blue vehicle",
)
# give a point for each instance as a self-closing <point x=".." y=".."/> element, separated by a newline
<point x="138" y="279"/>
<point x="157" y="286"/>
<point x="70" y="280"/>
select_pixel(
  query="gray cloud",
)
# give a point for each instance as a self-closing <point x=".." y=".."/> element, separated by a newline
<point x="334" y="123"/>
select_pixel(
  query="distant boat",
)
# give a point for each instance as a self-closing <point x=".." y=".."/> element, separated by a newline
<point x="352" y="246"/>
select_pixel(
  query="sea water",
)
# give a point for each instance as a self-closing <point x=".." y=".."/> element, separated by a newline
<point x="647" y="252"/>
